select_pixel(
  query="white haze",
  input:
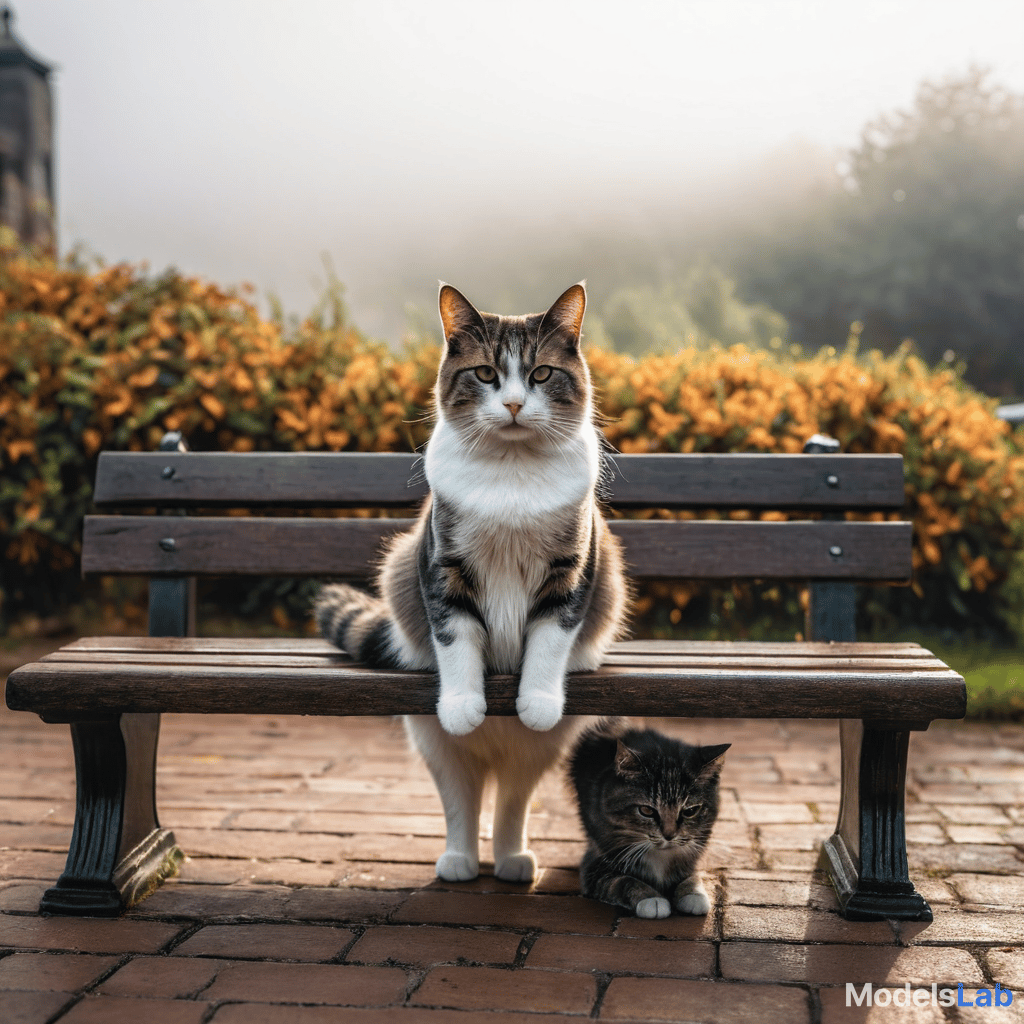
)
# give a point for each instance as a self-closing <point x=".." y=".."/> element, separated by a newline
<point x="241" y="139"/>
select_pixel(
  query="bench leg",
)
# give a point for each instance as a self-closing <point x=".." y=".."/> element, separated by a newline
<point x="866" y="857"/>
<point x="119" y="853"/>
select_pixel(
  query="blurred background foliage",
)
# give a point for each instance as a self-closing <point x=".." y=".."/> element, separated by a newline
<point x="111" y="358"/>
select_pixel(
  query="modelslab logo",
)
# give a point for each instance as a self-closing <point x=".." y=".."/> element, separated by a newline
<point x="934" y="996"/>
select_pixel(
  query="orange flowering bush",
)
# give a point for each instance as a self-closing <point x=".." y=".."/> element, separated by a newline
<point x="112" y="358"/>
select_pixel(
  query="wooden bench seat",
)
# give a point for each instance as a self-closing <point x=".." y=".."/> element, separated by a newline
<point x="112" y="690"/>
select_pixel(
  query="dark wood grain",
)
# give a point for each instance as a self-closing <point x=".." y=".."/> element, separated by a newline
<point x="689" y="549"/>
<point x="385" y="480"/>
<point x="189" y="675"/>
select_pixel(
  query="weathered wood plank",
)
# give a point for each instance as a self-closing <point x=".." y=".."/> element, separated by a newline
<point x="288" y="645"/>
<point x="690" y="549"/>
<point x="61" y="690"/>
<point x="385" y="480"/>
<point x="640" y="662"/>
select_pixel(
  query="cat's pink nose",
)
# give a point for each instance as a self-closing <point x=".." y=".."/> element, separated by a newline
<point x="513" y="408"/>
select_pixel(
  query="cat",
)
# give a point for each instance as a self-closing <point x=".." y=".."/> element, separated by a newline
<point x="510" y="568"/>
<point x="647" y="804"/>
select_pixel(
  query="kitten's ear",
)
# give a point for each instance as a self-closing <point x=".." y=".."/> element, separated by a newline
<point x="566" y="314"/>
<point x="627" y="762"/>
<point x="458" y="314"/>
<point x="713" y="758"/>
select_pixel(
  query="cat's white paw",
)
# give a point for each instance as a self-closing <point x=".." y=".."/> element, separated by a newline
<point x="654" y="906"/>
<point x="693" y="903"/>
<point x="540" y="710"/>
<point x="517" y="867"/>
<point x="456" y="867"/>
<point x="461" y="713"/>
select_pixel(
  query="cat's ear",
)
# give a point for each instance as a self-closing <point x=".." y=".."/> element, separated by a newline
<point x="627" y="762"/>
<point x="458" y="314"/>
<point x="713" y="758"/>
<point x="566" y="315"/>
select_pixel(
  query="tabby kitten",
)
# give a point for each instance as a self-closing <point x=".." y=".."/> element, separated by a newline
<point x="510" y="568"/>
<point x="647" y="803"/>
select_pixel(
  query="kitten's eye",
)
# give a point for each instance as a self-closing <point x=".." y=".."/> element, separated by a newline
<point x="690" y="812"/>
<point x="540" y="374"/>
<point x="646" y="812"/>
<point x="487" y="374"/>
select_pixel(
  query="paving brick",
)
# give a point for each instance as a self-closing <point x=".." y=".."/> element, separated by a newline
<point x="678" y="926"/>
<point x="980" y="1014"/>
<point x="104" y="1009"/>
<point x="544" y="913"/>
<point x="164" y="976"/>
<point x="965" y="857"/>
<point x="710" y="1002"/>
<point x="33" y="1007"/>
<point x="427" y="945"/>
<point x="957" y="926"/>
<point x="86" y="935"/>
<point x="338" y="984"/>
<point x="993" y="890"/>
<point x="974" y="814"/>
<point x="839" y="964"/>
<point x="24" y="897"/>
<point x="771" y="892"/>
<point x="334" y="904"/>
<point x="793" y="837"/>
<point x="490" y="988"/>
<point x="48" y="972"/>
<point x="801" y="924"/>
<point x="621" y="955"/>
<point x="764" y="813"/>
<point x="254" y="1013"/>
<point x="202" y="902"/>
<point x="835" y="1011"/>
<point x="304" y="942"/>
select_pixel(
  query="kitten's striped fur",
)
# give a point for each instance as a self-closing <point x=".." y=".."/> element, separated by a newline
<point x="509" y="568"/>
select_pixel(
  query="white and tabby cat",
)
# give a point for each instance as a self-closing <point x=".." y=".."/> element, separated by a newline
<point x="510" y="568"/>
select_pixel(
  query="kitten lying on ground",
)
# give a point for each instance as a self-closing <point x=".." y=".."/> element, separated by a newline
<point x="509" y="569"/>
<point x="647" y="803"/>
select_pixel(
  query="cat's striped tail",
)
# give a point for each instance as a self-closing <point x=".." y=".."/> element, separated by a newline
<point x="357" y="623"/>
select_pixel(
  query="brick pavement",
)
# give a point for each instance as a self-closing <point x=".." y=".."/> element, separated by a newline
<point x="309" y="898"/>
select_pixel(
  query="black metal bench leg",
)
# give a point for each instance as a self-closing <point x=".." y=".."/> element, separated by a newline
<point x="866" y="857"/>
<point x="118" y="852"/>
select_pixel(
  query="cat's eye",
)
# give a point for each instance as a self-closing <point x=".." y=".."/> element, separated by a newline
<point x="487" y="374"/>
<point x="690" y="812"/>
<point x="540" y="374"/>
<point x="645" y="811"/>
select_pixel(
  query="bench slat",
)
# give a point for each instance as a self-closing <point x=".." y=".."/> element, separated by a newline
<point x="388" y="480"/>
<point x="58" y="689"/>
<point x="691" y="549"/>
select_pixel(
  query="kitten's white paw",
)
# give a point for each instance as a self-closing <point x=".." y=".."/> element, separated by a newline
<point x="517" y="867"/>
<point x="539" y="710"/>
<point x="693" y="903"/>
<point x="654" y="906"/>
<point x="461" y="713"/>
<point x="456" y="867"/>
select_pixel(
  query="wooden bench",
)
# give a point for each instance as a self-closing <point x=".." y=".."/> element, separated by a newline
<point x="112" y="690"/>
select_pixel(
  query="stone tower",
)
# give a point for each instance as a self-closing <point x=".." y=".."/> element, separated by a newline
<point x="26" y="141"/>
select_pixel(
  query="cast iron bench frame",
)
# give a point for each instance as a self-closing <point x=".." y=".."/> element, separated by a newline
<point x="111" y="691"/>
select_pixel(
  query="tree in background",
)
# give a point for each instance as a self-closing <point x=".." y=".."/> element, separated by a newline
<point x="925" y="240"/>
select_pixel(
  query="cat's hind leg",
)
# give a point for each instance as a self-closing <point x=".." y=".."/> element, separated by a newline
<point x="459" y="777"/>
<point x="513" y="861"/>
<point x="690" y="896"/>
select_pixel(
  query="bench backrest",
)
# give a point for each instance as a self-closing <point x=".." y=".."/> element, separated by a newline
<point x="197" y="544"/>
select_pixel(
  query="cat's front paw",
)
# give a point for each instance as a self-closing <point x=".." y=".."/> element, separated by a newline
<point x="517" y="867"/>
<point x="693" y="903"/>
<point x="456" y="867"/>
<point x="539" y="710"/>
<point x="461" y="713"/>
<point x="653" y="906"/>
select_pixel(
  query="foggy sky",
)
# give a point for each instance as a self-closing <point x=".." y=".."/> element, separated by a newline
<point x="240" y="139"/>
